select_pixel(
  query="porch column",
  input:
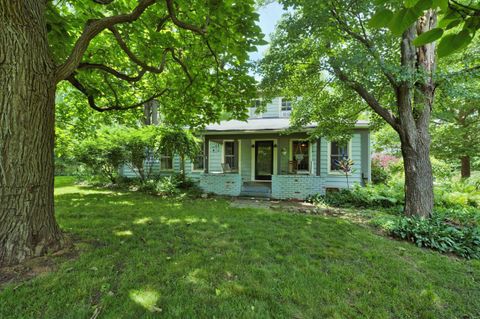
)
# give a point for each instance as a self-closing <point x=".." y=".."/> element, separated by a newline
<point x="206" y="158"/>
<point x="319" y="149"/>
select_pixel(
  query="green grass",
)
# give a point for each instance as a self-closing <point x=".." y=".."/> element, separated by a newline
<point x="145" y="257"/>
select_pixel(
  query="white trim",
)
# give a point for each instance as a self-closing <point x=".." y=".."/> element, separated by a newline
<point x="267" y="131"/>
<point x="329" y="151"/>
<point x="310" y="146"/>
<point x="275" y="158"/>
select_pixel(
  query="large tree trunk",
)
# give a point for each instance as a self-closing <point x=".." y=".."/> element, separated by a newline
<point x="27" y="94"/>
<point x="465" y="166"/>
<point x="418" y="178"/>
<point x="414" y="101"/>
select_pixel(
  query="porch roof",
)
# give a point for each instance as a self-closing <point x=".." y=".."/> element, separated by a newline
<point x="263" y="124"/>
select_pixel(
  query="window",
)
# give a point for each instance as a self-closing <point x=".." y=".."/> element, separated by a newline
<point x="286" y="105"/>
<point x="256" y="103"/>
<point x="338" y="151"/>
<point x="166" y="162"/>
<point x="231" y="154"/>
<point x="199" y="160"/>
<point x="300" y="153"/>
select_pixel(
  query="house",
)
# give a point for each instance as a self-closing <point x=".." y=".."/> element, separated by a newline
<point x="258" y="158"/>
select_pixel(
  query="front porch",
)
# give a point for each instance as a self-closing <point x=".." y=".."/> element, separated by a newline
<point x="276" y="165"/>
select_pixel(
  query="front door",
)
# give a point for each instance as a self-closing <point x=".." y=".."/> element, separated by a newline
<point x="263" y="160"/>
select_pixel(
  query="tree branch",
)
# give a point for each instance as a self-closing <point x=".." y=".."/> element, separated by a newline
<point x="91" y="99"/>
<point x="107" y="69"/>
<point x="386" y="114"/>
<point x="103" y="1"/>
<point x="145" y="66"/>
<point x="182" y="65"/>
<point x="123" y="45"/>
<point x="182" y="24"/>
<point x="463" y="71"/>
<point x="363" y="39"/>
<point x="91" y="30"/>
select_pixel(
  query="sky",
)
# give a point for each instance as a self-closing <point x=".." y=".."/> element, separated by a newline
<point x="269" y="16"/>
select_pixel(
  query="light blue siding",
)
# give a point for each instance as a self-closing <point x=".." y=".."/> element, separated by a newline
<point x="221" y="184"/>
<point x="215" y="156"/>
<point x="336" y="179"/>
<point x="296" y="186"/>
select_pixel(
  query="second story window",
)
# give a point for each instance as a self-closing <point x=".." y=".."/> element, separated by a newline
<point x="286" y="105"/>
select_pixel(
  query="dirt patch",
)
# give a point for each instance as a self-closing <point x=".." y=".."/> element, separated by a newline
<point x="34" y="267"/>
<point x="286" y="206"/>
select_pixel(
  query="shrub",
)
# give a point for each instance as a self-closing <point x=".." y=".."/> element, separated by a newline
<point x="379" y="173"/>
<point x="138" y="145"/>
<point x="441" y="169"/>
<point x="168" y="186"/>
<point x="456" y="194"/>
<point x="115" y="146"/>
<point x="101" y="154"/>
<point x="436" y="234"/>
<point x="363" y="197"/>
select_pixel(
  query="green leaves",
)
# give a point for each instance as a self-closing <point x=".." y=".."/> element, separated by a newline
<point x="399" y="21"/>
<point x="453" y="15"/>
<point x="402" y="20"/>
<point x="442" y="4"/>
<point x="428" y="37"/>
<point x="454" y="42"/>
<point x="381" y="19"/>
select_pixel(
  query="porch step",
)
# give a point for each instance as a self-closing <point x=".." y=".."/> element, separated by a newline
<point x="256" y="195"/>
<point x="253" y="189"/>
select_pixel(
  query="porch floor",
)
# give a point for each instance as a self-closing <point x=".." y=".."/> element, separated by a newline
<point x="257" y="189"/>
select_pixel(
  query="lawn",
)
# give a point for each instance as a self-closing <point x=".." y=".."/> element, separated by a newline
<point x="144" y="257"/>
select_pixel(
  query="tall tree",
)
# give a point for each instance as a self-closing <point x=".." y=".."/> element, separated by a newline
<point x="329" y="54"/>
<point x="120" y="55"/>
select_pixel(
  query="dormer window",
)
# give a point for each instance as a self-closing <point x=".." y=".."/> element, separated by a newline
<point x="286" y="105"/>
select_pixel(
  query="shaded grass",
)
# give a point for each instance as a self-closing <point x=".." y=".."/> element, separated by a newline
<point x="144" y="257"/>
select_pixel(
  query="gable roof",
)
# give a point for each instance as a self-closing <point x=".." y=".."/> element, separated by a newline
<point x="263" y="124"/>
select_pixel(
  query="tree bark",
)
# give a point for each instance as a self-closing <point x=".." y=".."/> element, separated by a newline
<point x="465" y="166"/>
<point x="414" y="102"/>
<point x="418" y="178"/>
<point x="27" y="95"/>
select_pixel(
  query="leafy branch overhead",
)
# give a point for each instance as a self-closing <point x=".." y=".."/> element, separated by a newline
<point x="456" y="27"/>
<point x="121" y="54"/>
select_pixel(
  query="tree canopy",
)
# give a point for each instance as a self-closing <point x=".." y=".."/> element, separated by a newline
<point x="192" y="56"/>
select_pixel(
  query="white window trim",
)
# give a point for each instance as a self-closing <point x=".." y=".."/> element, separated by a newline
<point x="310" y="147"/>
<point x="193" y="166"/>
<point x="280" y="111"/>
<point x="275" y="159"/>
<point x="239" y="154"/>
<point x="329" y="152"/>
